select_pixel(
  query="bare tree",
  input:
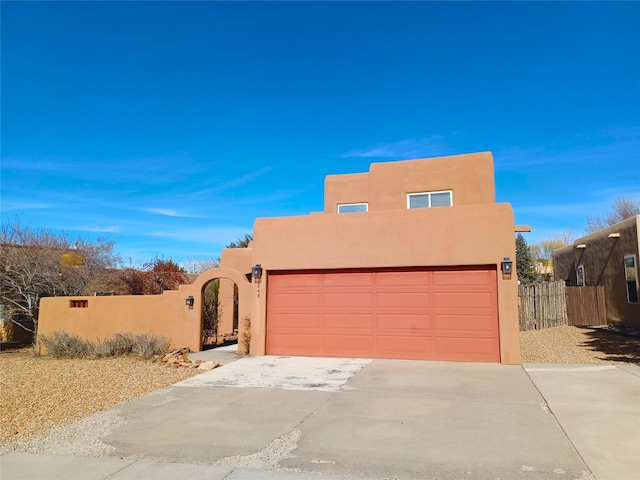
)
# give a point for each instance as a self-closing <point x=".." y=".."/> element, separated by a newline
<point x="36" y="263"/>
<point x="621" y="209"/>
<point x="199" y="265"/>
<point x="543" y="252"/>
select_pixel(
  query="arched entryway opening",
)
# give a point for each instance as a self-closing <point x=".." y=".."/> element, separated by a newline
<point x="225" y="305"/>
<point x="220" y="313"/>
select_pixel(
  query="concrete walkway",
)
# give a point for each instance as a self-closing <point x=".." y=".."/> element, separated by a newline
<point x="316" y="418"/>
<point x="598" y="407"/>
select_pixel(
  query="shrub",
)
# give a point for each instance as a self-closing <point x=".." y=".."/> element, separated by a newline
<point x="119" y="345"/>
<point x="246" y="336"/>
<point x="62" y="344"/>
<point x="148" y="345"/>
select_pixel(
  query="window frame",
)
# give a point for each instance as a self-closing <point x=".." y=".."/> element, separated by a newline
<point x="631" y="279"/>
<point x="413" y="194"/>
<point x="366" y="207"/>
<point x="580" y="277"/>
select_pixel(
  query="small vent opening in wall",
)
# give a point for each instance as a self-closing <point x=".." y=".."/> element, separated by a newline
<point x="78" y="303"/>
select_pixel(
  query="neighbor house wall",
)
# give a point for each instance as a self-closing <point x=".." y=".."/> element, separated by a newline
<point x="603" y="265"/>
<point x="455" y="236"/>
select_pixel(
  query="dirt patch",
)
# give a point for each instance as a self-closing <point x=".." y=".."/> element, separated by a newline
<point x="579" y="345"/>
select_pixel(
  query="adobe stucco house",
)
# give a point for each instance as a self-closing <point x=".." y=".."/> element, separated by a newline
<point x="404" y="262"/>
<point x="608" y="257"/>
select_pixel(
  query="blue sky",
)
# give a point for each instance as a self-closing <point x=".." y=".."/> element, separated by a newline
<point x="169" y="127"/>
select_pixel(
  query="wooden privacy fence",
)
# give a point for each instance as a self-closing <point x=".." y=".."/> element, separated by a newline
<point x="552" y="304"/>
<point x="585" y="306"/>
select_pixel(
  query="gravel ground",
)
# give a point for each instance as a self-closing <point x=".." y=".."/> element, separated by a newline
<point x="41" y="396"/>
<point x="39" y="393"/>
<point x="578" y="345"/>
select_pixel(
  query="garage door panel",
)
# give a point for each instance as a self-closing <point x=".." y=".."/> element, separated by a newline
<point x="294" y="344"/>
<point x="349" y="280"/>
<point x="298" y="280"/>
<point x="279" y="321"/>
<point x="349" y="300"/>
<point x="402" y="300"/>
<point x="406" y="346"/>
<point x="466" y="349"/>
<point x="390" y="322"/>
<point x="402" y="278"/>
<point x="467" y="300"/>
<point x="467" y="323"/>
<point x="285" y="301"/>
<point x="468" y="278"/>
<point x="420" y="313"/>
<point x="341" y="321"/>
<point x="349" y="345"/>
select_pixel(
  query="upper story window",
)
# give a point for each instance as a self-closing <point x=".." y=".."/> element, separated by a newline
<point x="430" y="199"/>
<point x="353" y="207"/>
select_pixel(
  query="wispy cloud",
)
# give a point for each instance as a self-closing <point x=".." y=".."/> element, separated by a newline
<point x="169" y="212"/>
<point x="158" y="169"/>
<point x="110" y="229"/>
<point x="203" y="235"/>
<point x="249" y="177"/>
<point x="10" y="206"/>
<point x="607" y="147"/>
<point x="433" y="145"/>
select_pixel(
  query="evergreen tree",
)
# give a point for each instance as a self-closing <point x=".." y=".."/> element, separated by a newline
<point x="524" y="263"/>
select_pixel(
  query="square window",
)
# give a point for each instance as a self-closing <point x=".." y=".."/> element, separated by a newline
<point x="430" y="199"/>
<point x="419" y="201"/>
<point x="442" y="199"/>
<point x="353" y="207"/>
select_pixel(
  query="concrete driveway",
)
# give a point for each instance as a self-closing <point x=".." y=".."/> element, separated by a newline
<point x="295" y="417"/>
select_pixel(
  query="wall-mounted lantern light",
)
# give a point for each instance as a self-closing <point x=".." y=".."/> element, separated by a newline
<point x="256" y="272"/>
<point x="507" y="265"/>
<point x="189" y="301"/>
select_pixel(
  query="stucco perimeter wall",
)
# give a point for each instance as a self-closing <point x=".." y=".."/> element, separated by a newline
<point x="469" y="176"/>
<point x="238" y="259"/>
<point x="456" y="236"/>
<point x="603" y="260"/>
<point x="164" y="314"/>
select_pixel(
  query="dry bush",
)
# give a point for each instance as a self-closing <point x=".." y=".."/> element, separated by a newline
<point x="62" y="344"/>
<point x="148" y="345"/>
<point x="246" y="335"/>
<point x="119" y="345"/>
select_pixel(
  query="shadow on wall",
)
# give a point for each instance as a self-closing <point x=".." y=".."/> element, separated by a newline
<point x="615" y="347"/>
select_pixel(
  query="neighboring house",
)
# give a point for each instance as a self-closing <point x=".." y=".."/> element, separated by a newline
<point x="409" y="260"/>
<point x="608" y="257"/>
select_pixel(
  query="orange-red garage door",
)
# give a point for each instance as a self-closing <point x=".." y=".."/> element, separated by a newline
<point x="439" y="314"/>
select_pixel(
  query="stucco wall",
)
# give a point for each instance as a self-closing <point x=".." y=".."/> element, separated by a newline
<point x="460" y="235"/>
<point x="469" y="176"/>
<point x="238" y="259"/>
<point x="603" y="265"/>
<point x="164" y="314"/>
